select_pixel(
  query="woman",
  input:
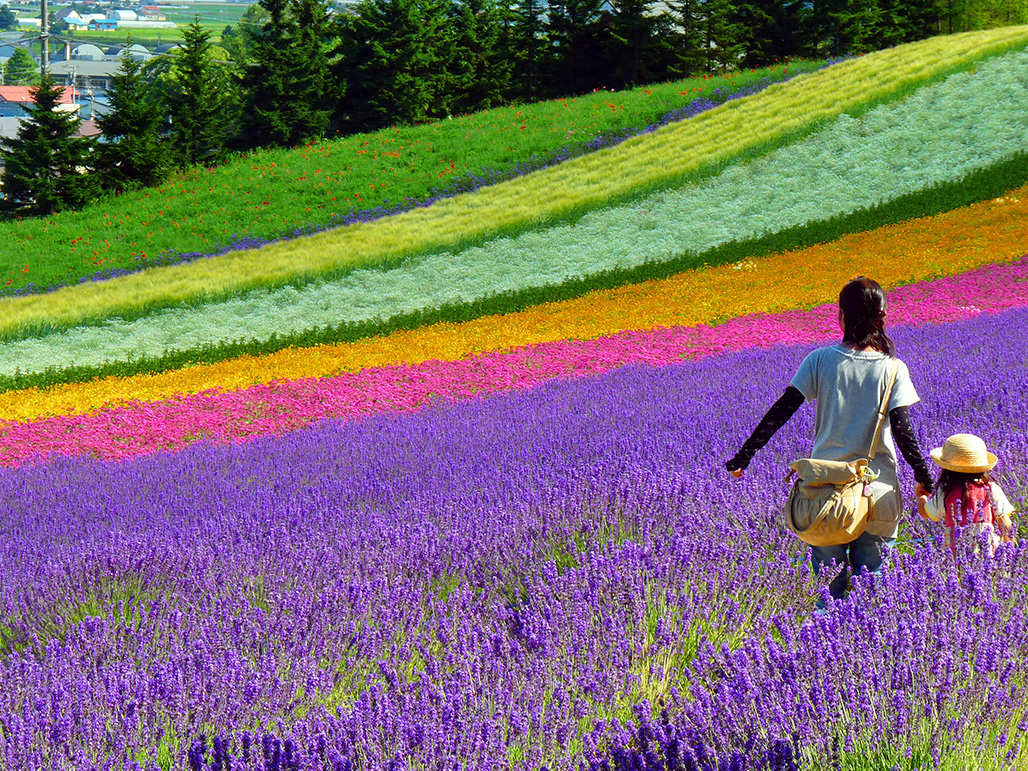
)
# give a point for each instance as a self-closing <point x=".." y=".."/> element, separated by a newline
<point x="848" y="382"/>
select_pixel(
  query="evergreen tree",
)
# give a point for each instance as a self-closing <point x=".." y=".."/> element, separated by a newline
<point x="578" y="39"/>
<point x="393" y="61"/>
<point x="200" y="100"/>
<point x="904" y="21"/>
<point x="720" y="34"/>
<point x="478" y="73"/>
<point x="769" y="30"/>
<point x="628" y="46"/>
<point x="845" y="26"/>
<point x="689" y="54"/>
<point x="313" y="90"/>
<point x="21" y="69"/>
<point x="265" y="81"/>
<point x="135" y="154"/>
<point x="524" y="45"/>
<point x="46" y="164"/>
<point x="8" y="21"/>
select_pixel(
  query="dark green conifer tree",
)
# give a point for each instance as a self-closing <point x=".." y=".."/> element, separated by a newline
<point x="689" y="55"/>
<point x="478" y="72"/>
<point x="284" y="81"/>
<point x="641" y="43"/>
<point x="577" y="34"/>
<point x="200" y="100"/>
<point x="21" y="69"/>
<point x="769" y="30"/>
<point x="135" y="153"/>
<point x="393" y="59"/>
<point x="8" y="20"/>
<point x="845" y="26"/>
<point x="720" y="34"/>
<point x="524" y="44"/>
<point x="47" y="167"/>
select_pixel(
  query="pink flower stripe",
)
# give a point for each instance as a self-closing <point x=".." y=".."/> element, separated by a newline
<point x="274" y="408"/>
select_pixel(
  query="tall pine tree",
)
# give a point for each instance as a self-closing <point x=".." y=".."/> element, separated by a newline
<point x="135" y="154"/>
<point x="689" y="52"/>
<point x="524" y="44"/>
<point x="393" y="60"/>
<point x="284" y="83"/>
<point x="578" y="39"/>
<point x="478" y="74"/>
<point x="47" y="165"/>
<point x="200" y="100"/>
<point x="769" y="30"/>
<point x="631" y="43"/>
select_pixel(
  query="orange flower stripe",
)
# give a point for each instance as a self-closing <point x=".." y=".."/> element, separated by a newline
<point x="946" y="244"/>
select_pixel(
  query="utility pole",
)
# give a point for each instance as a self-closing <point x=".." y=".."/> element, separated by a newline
<point x="44" y="37"/>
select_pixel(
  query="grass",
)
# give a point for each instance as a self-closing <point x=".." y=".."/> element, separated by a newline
<point x="273" y="193"/>
<point x="670" y="156"/>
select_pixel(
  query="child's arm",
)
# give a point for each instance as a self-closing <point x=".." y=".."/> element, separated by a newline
<point x="931" y="507"/>
<point x="1006" y="527"/>
<point x="1003" y="509"/>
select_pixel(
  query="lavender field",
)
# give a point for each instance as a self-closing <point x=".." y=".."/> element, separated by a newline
<point x="563" y="577"/>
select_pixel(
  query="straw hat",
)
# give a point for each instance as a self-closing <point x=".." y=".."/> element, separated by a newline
<point x="965" y="453"/>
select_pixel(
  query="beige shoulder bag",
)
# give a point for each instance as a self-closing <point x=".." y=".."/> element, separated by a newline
<point x="830" y="502"/>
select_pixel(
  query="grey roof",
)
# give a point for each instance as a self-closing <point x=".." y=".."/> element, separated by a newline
<point x="84" y="68"/>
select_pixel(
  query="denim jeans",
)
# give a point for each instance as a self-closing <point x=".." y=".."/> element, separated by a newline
<point x="865" y="553"/>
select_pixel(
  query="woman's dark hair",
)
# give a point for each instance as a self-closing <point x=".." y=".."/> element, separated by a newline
<point x="862" y="303"/>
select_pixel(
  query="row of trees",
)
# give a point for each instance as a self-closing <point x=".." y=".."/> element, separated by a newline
<point x="291" y="72"/>
<point x="176" y="113"/>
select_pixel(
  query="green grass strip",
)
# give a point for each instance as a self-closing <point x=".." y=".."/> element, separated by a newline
<point x="270" y="194"/>
<point x="981" y="185"/>
<point x="690" y="150"/>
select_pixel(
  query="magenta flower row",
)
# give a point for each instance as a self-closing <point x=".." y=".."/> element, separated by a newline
<point x="275" y="408"/>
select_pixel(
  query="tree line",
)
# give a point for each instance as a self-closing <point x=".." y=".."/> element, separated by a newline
<point x="291" y="72"/>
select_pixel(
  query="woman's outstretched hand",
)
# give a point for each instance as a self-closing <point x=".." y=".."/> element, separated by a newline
<point x="921" y="501"/>
<point x="736" y="472"/>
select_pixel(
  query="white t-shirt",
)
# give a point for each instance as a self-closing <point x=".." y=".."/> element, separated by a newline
<point x="848" y="387"/>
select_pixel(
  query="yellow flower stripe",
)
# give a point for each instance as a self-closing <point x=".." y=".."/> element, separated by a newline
<point x="639" y="164"/>
<point x="947" y="244"/>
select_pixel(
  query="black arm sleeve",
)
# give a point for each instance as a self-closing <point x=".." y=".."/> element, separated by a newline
<point x="903" y="433"/>
<point x="773" y="420"/>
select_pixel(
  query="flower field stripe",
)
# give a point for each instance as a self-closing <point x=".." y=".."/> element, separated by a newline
<point x="278" y="193"/>
<point x="951" y="243"/>
<point x="850" y="166"/>
<point x="671" y="155"/>
<point x="509" y="583"/>
<point x="275" y="408"/>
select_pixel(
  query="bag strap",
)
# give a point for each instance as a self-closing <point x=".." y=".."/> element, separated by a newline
<point x="883" y="409"/>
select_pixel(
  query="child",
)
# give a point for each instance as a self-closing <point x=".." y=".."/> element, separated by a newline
<point x="965" y="496"/>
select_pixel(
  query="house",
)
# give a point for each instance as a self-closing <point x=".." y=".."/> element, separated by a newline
<point x="88" y="76"/>
<point x="84" y="20"/>
<point x="151" y="13"/>
<point x="104" y="24"/>
<point x="14" y="99"/>
<point x="70" y="15"/>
